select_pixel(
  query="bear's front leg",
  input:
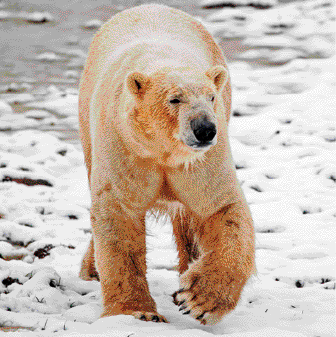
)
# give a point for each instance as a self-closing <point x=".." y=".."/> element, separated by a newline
<point x="121" y="193"/>
<point x="212" y="285"/>
<point x="120" y="255"/>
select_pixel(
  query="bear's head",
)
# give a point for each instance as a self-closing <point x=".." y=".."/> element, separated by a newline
<point x="176" y="112"/>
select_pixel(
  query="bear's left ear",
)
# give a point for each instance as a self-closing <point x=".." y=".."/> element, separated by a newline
<point x="137" y="83"/>
<point x="219" y="75"/>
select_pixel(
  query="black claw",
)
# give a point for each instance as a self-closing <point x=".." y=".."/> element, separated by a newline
<point x="143" y="317"/>
<point x="180" y="290"/>
<point x="181" y="302"/>
<point x="200" y="316"/>
<point x="174" y="298"/>
<point x="183" y="307"/>
<point x="155" y="318"/>
<point x="164" y="320"/>
<point x="186" y="312"/>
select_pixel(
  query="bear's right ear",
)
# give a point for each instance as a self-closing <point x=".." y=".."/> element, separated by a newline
<point x="137" y="83"/>
<point x="219" y="75"/>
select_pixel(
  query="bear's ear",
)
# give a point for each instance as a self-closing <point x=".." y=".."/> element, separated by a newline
<point x="219" y="75"/>
<point x="137" y="83"/>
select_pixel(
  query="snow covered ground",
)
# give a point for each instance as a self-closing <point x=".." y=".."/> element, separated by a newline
<point x="303" y="29"/>
<point x="283" y="135"/>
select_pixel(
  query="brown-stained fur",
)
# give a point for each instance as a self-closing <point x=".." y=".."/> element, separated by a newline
<point x="138" y="158"/>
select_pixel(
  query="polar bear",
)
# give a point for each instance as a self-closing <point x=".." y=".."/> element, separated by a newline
<point x="154" y="107"/>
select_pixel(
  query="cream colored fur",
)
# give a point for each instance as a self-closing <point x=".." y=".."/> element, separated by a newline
<point x="137" y="157"/>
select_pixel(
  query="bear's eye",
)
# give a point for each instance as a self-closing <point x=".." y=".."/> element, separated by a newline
<point x="174" y="101"/>
<point x="212" y="99"/>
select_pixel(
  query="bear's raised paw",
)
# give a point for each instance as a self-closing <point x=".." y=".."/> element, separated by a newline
<point x="208" y="291"/>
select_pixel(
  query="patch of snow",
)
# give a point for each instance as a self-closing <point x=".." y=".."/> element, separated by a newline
<point x="48" y="57"/>
<point x="19" y="98"/>
<point x="62" y="106"/>
<point x="92" y="24"/>
<point x="37" y="114"/>
<point x="5" y="109"/>
<point x="36" y="17"/>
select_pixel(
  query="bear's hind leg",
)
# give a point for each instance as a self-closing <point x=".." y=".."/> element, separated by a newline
<point x="88" y="271"/>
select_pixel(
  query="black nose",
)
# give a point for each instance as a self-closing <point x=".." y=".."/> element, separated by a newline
<point x="204" y="130"/>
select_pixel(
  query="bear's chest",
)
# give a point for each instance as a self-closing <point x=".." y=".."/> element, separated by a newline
<point x="166" y="194"/>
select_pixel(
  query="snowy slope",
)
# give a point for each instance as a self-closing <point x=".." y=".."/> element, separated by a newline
<point x="283" y="135"/>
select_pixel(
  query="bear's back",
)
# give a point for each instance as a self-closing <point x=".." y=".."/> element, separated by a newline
<point x="156" y="22"/>
<point x="151" y="23"/>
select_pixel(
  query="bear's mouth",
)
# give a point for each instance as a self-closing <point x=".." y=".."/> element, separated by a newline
<point x="188" y="139"/>
<point x="201" y="146"/>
